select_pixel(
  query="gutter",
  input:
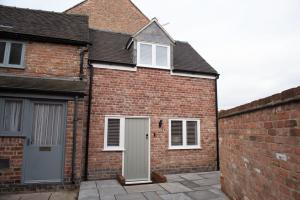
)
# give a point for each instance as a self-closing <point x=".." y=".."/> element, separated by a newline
<point x="86" y="163"/>
<point x="75" y="119"/>
<point x="217" y="123"/>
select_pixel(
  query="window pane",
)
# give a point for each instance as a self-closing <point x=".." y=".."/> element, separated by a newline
<point x="191" y="131"/>
<point x="12" y="115"/>
<point x="2" y="51"/>
<point x="146" y="54"/>
<point x="113" y="132"/>
<point x="176" y="133"/>
<point x="15" y="53"/>
<point x="47" y="124"/>
<point x="161" y="56"/>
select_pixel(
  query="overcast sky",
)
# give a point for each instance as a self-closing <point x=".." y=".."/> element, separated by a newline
<point x="254" y="44"/>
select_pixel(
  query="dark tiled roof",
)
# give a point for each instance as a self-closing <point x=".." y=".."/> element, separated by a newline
<point x="58" y="86"/>
<point x="186" y="59"/>
<point x="44" y="25"/>
<point x="110" y="47"/>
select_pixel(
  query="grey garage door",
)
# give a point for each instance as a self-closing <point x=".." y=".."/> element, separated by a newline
<point x="44" y="146"/>
<point x="136" y="155"/>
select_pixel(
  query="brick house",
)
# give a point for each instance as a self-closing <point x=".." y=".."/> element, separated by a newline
<point x="42" y="88"/>
<point x="103" y="91"/>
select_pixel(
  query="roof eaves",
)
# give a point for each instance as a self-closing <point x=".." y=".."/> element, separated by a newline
<point x="198" y="73"/>
<point x="16" y="35"/>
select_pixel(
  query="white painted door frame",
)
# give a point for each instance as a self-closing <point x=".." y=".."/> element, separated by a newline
<point x="149" y="149"/>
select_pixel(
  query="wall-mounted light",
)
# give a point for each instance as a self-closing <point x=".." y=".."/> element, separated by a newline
<point x="160" y="123"/>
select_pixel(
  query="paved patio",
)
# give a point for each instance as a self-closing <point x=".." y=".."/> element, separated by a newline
<point x="61" y="195"/>
<point x="191" y="186"/>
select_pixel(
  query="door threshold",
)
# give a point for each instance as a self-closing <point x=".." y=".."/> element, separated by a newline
<point x="137" y="182"/>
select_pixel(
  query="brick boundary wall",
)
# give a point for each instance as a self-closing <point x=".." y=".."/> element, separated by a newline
<point x="260" y="148"/>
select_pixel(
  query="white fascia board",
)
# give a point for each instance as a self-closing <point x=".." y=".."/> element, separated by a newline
<point x="114" y="67"/>
<point x="193" y="75"/>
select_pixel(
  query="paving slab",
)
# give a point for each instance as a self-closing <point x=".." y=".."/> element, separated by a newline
<point x="9" y="197"/>
<point x="189" y="184"/>
<point x="65" y="195"/>
<point x="218" y="186"/>
<point x="219" y="192"/>
<point x="173" y="178"/>
<point x="162" y="192"/>
<point x="203" y="195"/>
<point x="179" y="196"/>
<point x="206" y="187"/>
<point x="175" y="187"/>
<point x="152" y="196"/>
<point x="88" y="185"/>
<point x="36" y="196"/>
<point x="204" y="182"/>
<point x="134" y="196"/>
<point x="191" y="176"/>
<point x="143" y="188"/>
<point x="88" y="193"/>
<point x="104" y="183"/>
<point x="107" y="192"/>
<point x="210" y="172"/>
<point x="210" y="176"/>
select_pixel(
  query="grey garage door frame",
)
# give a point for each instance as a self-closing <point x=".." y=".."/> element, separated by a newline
<point x="149" y="150"/>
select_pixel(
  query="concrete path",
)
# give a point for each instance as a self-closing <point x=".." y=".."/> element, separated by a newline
<point x="191" y="186"/>
<point x="61" y="195"/>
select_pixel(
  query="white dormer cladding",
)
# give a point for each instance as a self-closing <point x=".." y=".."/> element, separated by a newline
<point x="153" y="47"/>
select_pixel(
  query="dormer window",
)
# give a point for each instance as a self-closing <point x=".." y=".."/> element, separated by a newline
<point x="153" y="55"/>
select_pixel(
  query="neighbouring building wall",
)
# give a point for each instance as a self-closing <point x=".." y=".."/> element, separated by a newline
<point x="117" y="15"/>
<point x="48" y="60"/>
<point x="161" y="96"/>
<point x="260" y="148"/>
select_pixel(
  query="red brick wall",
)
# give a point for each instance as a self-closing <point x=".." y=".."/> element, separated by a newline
<point x="260" y="149"/>
<point x="154" y="93"/>
<point x="116" y="15"/>
<point x="49" y="60"/>
<point x="11" y="148"/>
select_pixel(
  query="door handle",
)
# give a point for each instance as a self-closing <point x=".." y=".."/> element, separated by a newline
<point x="147" y="136"/>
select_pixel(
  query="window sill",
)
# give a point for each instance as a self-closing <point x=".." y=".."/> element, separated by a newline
<point x="12" y="136"/>
<point x="185" y="148"/>
<point x="154" y="67"/>
<point x="12" y="66"/>
<point x="113" y="149"/>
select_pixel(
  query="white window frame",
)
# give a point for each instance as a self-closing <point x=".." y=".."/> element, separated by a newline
<point x="184" y="134"/>
<point x="122" y="133"/>
<point x="153" y="45"/>
<point x="7" y="54"/>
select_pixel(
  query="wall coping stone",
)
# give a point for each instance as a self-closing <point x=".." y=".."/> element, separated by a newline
<point x="285" y="97"/>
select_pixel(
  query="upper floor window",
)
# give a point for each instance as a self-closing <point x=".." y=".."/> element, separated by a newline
<point x="12" y="54"/>
<point x="153" y="55"/>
